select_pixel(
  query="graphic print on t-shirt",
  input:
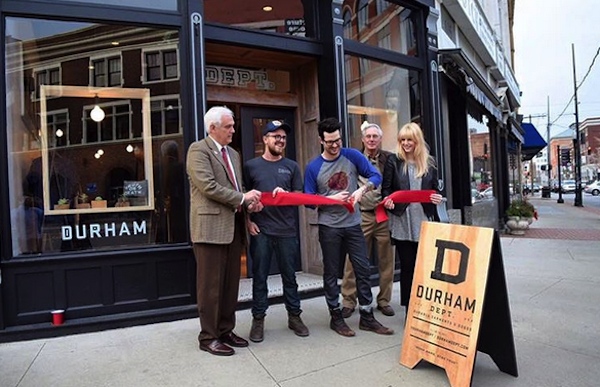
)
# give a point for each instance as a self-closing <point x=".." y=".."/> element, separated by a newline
<point x="339" y="181"/>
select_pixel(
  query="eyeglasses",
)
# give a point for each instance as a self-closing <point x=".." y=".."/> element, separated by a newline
<point x="332" y="142"/>
<point x="278" y="137"/>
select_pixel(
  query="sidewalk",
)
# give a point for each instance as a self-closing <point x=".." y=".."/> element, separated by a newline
<point x="553" y="290"/>
<point x="564" y="220"/>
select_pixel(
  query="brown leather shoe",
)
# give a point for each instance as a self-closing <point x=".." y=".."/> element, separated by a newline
<point x="296" y="324"/>
<point x="339" y="325"/>
<point x="215" y="347"/>
<point x="257" y="331"/>
<point x="234" y="340"/>
<point x="386" y="310"/>
<point x="347" y="312"/>
<point x="369" y="323"/>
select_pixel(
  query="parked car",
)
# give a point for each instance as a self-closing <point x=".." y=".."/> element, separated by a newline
<point x="568" y="186"/>
<point x="474" y="195"/>
<point x="487" y="193"/>
<point x="593" y="188"/>
<point x="527" y="188"/>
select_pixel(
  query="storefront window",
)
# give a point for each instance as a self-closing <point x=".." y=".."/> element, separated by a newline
<point x="381" y="24"/>
<point x="387" y="95"/>
<point x="95" y="152"/>
<point x="481" y="160"/>
<point x="282" y="17"/>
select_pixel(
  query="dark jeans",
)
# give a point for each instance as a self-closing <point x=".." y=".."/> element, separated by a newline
<point x="335" y="243"/>
<point x="287" y="253"/>
<point x="407" y="251"/>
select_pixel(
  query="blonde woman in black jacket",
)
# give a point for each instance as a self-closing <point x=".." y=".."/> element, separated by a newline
<point x="410" y="168"/>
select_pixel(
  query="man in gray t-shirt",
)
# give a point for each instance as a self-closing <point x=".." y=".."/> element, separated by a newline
<point x="334" y="174"/>
<point x="274" y="230"/>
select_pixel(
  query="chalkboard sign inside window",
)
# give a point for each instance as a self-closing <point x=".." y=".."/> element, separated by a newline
<point x="133" y="188"/>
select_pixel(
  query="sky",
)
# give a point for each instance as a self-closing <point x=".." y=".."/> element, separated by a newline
<point x="543" y="33"/>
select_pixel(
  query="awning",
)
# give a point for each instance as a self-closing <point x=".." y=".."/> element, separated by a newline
<point x="478" y="87"/>
<point x="533" y="143"/>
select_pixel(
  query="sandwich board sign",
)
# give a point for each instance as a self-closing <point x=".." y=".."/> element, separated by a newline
<point x="459" y="303"/>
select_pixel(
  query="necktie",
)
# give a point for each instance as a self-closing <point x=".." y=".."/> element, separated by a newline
<point x="228" y="165"/>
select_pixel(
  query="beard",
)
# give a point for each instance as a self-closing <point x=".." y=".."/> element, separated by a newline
<point x="276" y="150"/>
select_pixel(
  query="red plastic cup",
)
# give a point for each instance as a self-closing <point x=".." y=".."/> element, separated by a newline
<point x="58" y="317"/>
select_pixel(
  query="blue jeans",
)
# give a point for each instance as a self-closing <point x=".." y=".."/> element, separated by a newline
<point x="335" y="243"/>
<point x="287" y="253"/>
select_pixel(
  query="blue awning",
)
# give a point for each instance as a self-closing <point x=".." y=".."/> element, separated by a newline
<point x="533" y="143"/>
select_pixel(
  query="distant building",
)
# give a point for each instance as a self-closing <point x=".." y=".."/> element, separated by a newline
<point x="590" y="148"/>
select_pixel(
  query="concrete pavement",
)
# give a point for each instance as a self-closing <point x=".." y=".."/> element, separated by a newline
<point x="553" y="291"/>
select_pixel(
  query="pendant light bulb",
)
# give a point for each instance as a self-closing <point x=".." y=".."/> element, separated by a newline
<point x="97" y="114"/>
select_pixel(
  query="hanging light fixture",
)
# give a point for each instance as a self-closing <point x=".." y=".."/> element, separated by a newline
<point x="97" y="114"/>
<point x="129" y="148"/>
<point x="59" y="133"/>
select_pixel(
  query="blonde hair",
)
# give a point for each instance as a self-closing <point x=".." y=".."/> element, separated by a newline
<point x="422" y="158"/>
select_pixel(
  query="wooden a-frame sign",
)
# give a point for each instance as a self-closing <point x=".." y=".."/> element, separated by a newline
<point x="459" y="303"/>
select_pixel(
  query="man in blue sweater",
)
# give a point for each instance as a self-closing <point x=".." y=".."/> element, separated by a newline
<point x="334" y="174"/>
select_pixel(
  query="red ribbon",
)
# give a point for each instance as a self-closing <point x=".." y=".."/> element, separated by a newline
<point x="301" y="199"/>
<point x="408" y="196"/>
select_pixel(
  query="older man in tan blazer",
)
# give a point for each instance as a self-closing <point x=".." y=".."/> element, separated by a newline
<point x="217" y="229"/>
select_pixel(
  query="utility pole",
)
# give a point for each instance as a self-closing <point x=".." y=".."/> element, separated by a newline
<point x="548" y="149"/>
<point x="530" y="116"/>
<point x="578" y="195"/>
<point x="559" y="157"/>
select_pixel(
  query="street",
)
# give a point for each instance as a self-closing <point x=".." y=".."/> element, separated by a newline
<point x="569" y="198"/>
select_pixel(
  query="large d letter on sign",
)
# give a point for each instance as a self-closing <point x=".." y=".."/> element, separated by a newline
<point x="437" y="273"/>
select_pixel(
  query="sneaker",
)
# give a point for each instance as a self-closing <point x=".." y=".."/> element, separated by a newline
<point x="386" y="310"/>
<point x="257" y="331"/>
<point x="347" y="312"/>
<point x="339" y="325"/>
<point x="295" y="323"/>
<point x="369" y="323"/>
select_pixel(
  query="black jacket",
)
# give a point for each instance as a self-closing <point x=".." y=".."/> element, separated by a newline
<point x="395" y="179"/>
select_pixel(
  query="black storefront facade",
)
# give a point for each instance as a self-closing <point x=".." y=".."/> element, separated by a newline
<point x="481" y="127"/>
<point x="104" y="97"/>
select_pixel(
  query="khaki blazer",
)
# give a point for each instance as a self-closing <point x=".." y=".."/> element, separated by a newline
<point x="214" y="199"/>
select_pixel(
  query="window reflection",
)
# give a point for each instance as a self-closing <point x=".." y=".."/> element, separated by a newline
<point x="381" y="24"/>
<point x="481" y="160"/>
<point x="167" y="5"/>
<point x="78" y="183"/>
<point x="282" y="17"/>
<point x="383" y="94"/>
